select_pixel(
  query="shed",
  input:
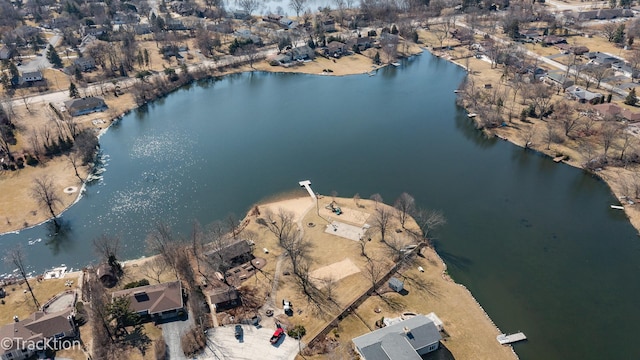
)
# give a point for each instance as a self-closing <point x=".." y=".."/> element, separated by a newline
<point x="396" y="285"/>
<point x="107" y="275"/>
<point x="2" y="293"/>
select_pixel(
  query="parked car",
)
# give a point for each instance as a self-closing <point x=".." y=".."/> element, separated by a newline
<point x="277" y="335"/>
<point x="238" y="332"/>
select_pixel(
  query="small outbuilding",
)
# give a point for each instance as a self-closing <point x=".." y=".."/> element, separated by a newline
<point x="106" y="275"/>
<point x="396" y="284"/>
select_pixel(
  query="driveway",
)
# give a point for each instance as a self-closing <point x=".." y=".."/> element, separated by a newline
<point x="254" y="344"/>
<point x="172" y="333"/>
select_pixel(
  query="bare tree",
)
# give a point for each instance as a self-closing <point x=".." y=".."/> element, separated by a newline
<point x="563" y="113"/>
<point x="382" y="221"/>
<point x="540" y="96"/>
<point x="43" y="192"/>
<point x="249" y="5"/>
<point x="155" y="268"/>
<point x="374" y="271"/>
<point x="528" y="136"/>
<point x="356" y="199"/>
<point x="75" y="161"/>
<point x="377" y="198"/>
<point x="162" y="241"/>
<point x="429" y="221"/>
<point x="628" y="141"/>
<point x="297" y="6"/>
<point x="405" y="204"/>
<point x="281" y="224"/>
<point x="609" y="133"/>
<point x="16" y="257"/>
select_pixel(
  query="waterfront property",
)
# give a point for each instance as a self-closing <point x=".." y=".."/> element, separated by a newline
<point x="155" y="302"/>
<point x="405" y="340"/>
<point x="19" y="338"/>
<point x="88" y="105"/>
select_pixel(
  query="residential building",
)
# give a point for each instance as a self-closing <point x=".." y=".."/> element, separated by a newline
<point x="406" y="340"/>
<point x="88" y="105"/>
<point x="616" y="111"/>
<point x="335" y="49"/>
<point x="223" y="297"/>
<point x="5" y="52"/>
<point x="303" y="52"/>
<point x="21" y="337"/>
<point x="558" y="78"/>
<point x="233" y="253"/>
<point x="155" y="302"/>
<point x="582" y="95"/>
<point x="30" y="77"/>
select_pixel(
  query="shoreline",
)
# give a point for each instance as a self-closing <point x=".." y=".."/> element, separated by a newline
<point x="345" y="69"/>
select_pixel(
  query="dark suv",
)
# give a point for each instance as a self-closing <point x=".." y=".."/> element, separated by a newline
<point x="238" y="332"/>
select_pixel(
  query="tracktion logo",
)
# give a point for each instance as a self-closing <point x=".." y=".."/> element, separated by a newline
<point x="8" y="343"/>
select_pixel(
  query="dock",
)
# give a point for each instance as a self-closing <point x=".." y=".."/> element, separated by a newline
<point x="617" y="207"/>
<point x="504" y="339"/>
<point x="559" y="158"/>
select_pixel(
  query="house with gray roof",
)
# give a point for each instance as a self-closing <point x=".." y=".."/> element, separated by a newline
<point x="405" y="340"/>
<point x="88" y="105"/>
<point x="581" y="94"/>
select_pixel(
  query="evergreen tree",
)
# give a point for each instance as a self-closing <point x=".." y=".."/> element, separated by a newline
<point x="73" y="91"/>
<point x="631" y="99"/>
<point x="376" y="58"/>
<point x="53" y="57"/>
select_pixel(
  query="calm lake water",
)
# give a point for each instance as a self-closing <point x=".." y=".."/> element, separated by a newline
<point x="534" y="241"/>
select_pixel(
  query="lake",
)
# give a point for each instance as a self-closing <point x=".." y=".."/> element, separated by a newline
<point x="535" y="241"/>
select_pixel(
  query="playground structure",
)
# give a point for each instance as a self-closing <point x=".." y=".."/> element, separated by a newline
<point x="333" y="206"/>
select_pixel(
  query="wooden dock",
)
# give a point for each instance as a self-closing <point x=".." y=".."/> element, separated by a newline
<point x="559" y="158"/>
<point x="504" y="339"/>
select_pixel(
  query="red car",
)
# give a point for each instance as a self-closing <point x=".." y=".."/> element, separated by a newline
<point x="277" y="335"/>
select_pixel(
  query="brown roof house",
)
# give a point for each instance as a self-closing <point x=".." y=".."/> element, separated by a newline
<point x="88" y="105"/>
<point x="155" y="302"/>
<point x="23" y="339"/>
<point x="617" y="111"/>
<point x="224" y="297"/>
<point x="233" y="253"/>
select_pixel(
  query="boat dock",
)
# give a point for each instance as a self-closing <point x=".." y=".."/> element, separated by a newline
<point x="504" y="339"/>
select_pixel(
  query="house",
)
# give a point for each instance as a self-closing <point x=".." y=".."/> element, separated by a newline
<point x="335" y="49"/>
<point x="406" y="340"/>
<point x="241" y="15"/>
<point x="88" y="105"/>
<point x="5" y="52"/>
<point x="558" y="78"/>
<point x="234" y="253"/>
<point x="530" y="34"/>
<point x="31" y="77"/>
<point x="223" y="297"/>
<point x="106" y="275"/>
<point x="274" y="18"/>
<point x="582" y="95"/>
<point x="625" y="69"/>
<point x="553" y="39"/>
<point x="363" y="43"/>
<point x="329" y="25"/>
<point x="303" y="52"/>
<point x="20" y="337"/>
<point x="579" y="50"/>
<point x="155" y="302"/>
<point x="602" y="58"/>
<point x="616" y="111"/>
<point x="288" y="23"/>
<point x="84" y="64"/>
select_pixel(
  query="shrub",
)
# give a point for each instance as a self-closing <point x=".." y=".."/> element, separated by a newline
<point x="297" y="332"/>
<point x="193" y="341"/>
<point x="31" y="161"/>
<point x="135" y="284"/>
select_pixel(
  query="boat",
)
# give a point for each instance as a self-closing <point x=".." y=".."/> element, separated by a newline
<point x="617" y="207"/>
<point x="472" y="115"/>
<point x="396" y="64"/>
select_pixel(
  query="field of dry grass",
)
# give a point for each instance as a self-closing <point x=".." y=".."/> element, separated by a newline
<point x="428" y="291"/>
<point x="18" y="302"/>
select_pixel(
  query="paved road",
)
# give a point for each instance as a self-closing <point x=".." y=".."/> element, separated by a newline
<point x="172" y="333"/>
<point x="253" y="345"/>
<point x="40" y="62"/>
